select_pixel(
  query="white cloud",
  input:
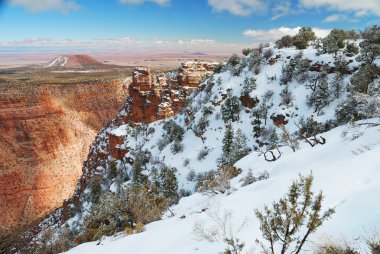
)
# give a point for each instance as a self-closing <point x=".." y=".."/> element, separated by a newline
<point x="338" y="17"/>
<point x="284" y="8"/>
<point x="238" y="7"/>
<point x="125" y="43"/>
<point x="64" y="6"/>
<point x="135" y="2"/>
<point x="360" y="8"/>
<point x="277" y="33"/>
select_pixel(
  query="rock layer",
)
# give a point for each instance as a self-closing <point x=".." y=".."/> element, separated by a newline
<point x="45" y="133"/>
<point x="155" y="96"/>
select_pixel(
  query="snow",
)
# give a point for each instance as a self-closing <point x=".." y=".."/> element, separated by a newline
<point x="346" y="170"/>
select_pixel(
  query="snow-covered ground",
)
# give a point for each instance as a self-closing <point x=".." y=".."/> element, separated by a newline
<point x="346" y="168"/>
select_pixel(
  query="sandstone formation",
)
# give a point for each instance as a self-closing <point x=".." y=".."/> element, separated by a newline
<point x="45" y="133"/>
<point x="155" y="96"/>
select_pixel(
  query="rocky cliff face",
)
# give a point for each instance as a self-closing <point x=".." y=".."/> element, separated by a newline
<point x="45" y="133"/>
<point x="155" y="96"/>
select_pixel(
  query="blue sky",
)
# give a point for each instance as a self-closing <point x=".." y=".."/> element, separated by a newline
<point x="172" y="23"/>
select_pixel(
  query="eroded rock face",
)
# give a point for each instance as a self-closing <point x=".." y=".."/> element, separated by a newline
<point x="45" y="133"/>
<point x="156" y="97"/>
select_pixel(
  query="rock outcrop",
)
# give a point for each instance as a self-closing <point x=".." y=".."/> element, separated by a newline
<point x="155" y="96"/>
<point x="45" y="134"/>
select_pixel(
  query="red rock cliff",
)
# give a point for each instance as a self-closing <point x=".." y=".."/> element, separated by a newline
<point x="156" y="97"/>
<point x="45" y="133"/>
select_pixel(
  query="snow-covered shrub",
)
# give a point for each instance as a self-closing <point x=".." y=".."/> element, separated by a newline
<point x="268" y="53"/>
<point x="250" y="178"/>
<point x="287" y="225"/>
<point x="286" y="96"/>
<point x="203" y="153"/>
<point x="191" y="176"/>
<point x="310" y="127"/>
<point x="176" y="147"/>
<point x="351" y="49"/>
<point x="216" y="181"/>
<point x="297" y="68"/>
<point x="358" y="107"/>
<point x="248" y="86"/>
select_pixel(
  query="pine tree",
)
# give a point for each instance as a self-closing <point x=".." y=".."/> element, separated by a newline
<point x="227" y="142"/>
<point x="370" y="48"/>
<point x="320" y="97"/>
<point x="239" y="147"/>
<point x="249" y="86"/>
<point x="168" y="183"/>
<point x="337" y="85"/>
<point x="231" y="109"/>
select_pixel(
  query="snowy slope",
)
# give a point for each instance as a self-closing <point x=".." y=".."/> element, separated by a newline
<point x="346" y="170"/>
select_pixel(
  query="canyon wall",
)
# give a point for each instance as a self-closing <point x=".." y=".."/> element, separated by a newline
<point x="45" y="133"/>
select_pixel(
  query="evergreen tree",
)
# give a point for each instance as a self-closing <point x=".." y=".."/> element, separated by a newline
<point x="231" y="109"/>
<point x="168" y="184"/>
<point x="301" y="40"/>
<point x="249" y="85"/>
<point x="320" y="97"/>
<point x="334" y="42"/>
<point x="239" y="147"/>
<point x="227" y="142"/>
<point x="361" y="79"/>
<point x="288" y="224"/>
<point x="370" y="47"/>
<point x="337" y="85"/>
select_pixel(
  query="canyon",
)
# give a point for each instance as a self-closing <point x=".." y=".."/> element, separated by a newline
<point x="45" y="133"/>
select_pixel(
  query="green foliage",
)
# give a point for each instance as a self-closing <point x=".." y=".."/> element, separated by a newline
<point x="310" y="127"/>
<point x="285" y="42"/>
<point x="351" y="49"/>
<point x="370" y="47"/>
<point x="176" y="147"/>
<point x="287" y="225"/>
<point x="301" y="40"/>
<point x="297" y="68"/>
<point x="216" y="181"/>
<point x="286" y="96"/>
<point x="95" y="188"/>
<point x="239" y="147"/>
<point x="247" y="51"/>
<point x="337" y="85"/>
<point x="357" y="107"/>
<point x="249" y="85"/>
<point x="167" y="183"/>
<point x="363" y="78"/>
<point x="234" y="246"/>
<point x="112" y="170"/>
<point x="231" y="109"/>
<point x="319" y="98"/>
<point x="234" y="60"/>
<point x="334" y="42"/>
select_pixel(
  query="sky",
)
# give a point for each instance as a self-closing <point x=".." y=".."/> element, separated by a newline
<point x="172" y="24"/>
